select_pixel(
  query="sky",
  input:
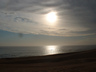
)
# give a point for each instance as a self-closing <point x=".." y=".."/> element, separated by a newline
<point x="47" y="22"/>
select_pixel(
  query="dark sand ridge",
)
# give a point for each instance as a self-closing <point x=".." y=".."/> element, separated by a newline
<point x="84" y="61"/>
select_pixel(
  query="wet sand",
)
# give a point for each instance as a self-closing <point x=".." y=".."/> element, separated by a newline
<point x="84" y="61"/>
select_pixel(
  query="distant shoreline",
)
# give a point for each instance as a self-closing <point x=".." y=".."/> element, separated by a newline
<point x="15" y="52"/>
<point x="84" y="61"/>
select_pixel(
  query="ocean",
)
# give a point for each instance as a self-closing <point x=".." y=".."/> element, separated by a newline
<point x="12" y="52"/>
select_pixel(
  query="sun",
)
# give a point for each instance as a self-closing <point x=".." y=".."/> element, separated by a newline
<point x="51" y="17"/>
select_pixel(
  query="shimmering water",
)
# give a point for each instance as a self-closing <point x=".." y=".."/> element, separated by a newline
<point x="10" y="52"/>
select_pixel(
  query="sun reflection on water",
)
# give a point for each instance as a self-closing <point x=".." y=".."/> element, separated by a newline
<point x="51" y="49"/>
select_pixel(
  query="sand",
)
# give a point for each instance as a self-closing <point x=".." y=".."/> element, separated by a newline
<point x="84" y="61"/>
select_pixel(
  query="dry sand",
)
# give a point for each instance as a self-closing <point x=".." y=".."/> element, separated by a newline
<point x="84" y="61"/>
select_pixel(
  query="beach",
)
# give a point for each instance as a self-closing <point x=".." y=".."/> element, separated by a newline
<point x="84" y="61"/>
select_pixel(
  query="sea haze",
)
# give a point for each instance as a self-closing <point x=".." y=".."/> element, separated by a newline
<point x="11" y="52"/>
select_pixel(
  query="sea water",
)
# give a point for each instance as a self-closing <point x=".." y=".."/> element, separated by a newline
<point x="11" y="52"/>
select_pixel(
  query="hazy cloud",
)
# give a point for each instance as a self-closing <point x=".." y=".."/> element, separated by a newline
<point x="75" y="17"/>
<point x="21" y="19"/>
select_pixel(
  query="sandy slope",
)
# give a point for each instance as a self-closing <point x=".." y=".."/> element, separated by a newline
<point x="71" y="62"/>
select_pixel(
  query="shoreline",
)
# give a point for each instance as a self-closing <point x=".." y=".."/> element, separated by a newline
<point x="83" y="61"/>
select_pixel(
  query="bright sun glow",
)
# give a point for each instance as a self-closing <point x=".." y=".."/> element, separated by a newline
<point x="51" y="17"/>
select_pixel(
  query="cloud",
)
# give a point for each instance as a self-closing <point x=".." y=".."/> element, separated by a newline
<point x="21" y="19"/>
<point x="75" y="18"/>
